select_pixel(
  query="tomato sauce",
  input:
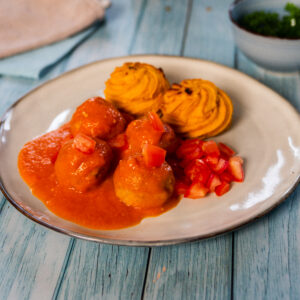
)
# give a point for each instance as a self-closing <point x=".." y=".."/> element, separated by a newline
<point x="98" y="208"/>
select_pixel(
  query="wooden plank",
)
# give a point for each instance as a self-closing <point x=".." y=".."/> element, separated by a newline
<point x="209" y="36"/>
<point x="100" y="271"/>
<point x="31" y="257"/>
<point x="162" y="28"/>
<point x="199" y="270"/>
<point x="267" y="253"/>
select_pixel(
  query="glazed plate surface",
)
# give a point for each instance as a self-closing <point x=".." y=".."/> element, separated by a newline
<point x="265" y="131"/>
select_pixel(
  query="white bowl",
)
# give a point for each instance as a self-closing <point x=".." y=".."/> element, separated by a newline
<point x="277" y="54"/>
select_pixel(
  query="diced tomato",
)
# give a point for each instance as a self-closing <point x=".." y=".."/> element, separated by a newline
<point x="181" y="187"/>
<point x="156" y="122"/>
<point x="223" y="188"/>
<point x="119" y="142"/>
<point x="211" y="148"/>
<point x="221" y="166"/>
<point x="211" y="160"/>
<point x="213" y="182"/>
<point x="190" y="149"/>
<point x="196" y="190"/>
<point x="54" y="157"/>
<point x="236" y="169"/>
<point x="211" y="167"/>
<point x="202" y="176"/>
<point x="191" y="142"/>
<point x="197" y="169"/>
<point x="226" y="150"/>
<point x="226" y="176"/>
<point x="84" y="143"/>
<point x="153" y="156"/>
<point x="239" y="159"/>
<point x="194" y="155"/>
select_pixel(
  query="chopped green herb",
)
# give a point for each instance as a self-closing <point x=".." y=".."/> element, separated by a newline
<point x="270" y="24"/>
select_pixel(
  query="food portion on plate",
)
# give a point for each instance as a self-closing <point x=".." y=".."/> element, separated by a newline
<point x="197" y="108"/>
<point x="136" y="88"/>
<point x="119" y="160"/>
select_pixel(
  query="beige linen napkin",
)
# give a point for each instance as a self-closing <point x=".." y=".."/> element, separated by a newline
<point x="28" y="24"/>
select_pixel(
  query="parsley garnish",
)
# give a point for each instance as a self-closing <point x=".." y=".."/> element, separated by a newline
<point x="270" y="24"/>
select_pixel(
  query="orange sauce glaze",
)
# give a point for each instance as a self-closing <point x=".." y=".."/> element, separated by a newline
<point x="98" y="208"/>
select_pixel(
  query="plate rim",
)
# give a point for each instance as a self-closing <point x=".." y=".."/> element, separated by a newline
<point x="149" y="243"/>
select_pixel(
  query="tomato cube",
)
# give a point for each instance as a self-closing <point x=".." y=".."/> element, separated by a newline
<point x="192" y="142"/>
<point x="153" y="156"/>
<point x="235" y="168"/>
<point x="197" y="169"/>
<point x="226" y="150"/>
<point x="221" y="166"/>
<point x="211" y="160"/>
<point x="196" y="190"/>
<point x="226" y="176"/>
<point x="211" y="148"/>
<point x="190" y="149"/>
<point x="156" y="122"/>
<point x="84" y="143"/>
<point x="213" y="182"/>
<point x="223" y="188"/>
<point x="181" y="187"/>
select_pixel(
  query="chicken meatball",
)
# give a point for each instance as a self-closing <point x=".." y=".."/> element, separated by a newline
<point x="81" y="171"/>
<point x="97" y="118"/>
<point x="141" y="131"/>
<point x="143" y="187"/>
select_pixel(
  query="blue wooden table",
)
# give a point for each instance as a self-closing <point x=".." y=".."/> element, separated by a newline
<point x="260" y="261"/>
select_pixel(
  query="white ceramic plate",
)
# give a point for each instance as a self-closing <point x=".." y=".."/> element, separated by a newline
<point x="265" y="131"/>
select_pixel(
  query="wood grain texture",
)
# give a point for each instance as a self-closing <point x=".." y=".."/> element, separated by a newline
<point x="98" y="271"/>
<point x="161" y="28"/>
<point x="199" y="270"/>
<point x="209" y="36"/>
<point x="267" y="253"/>
<point x="31" y="257"/>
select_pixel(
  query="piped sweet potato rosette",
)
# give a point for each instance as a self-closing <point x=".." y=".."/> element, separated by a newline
<point x="197" y="108"/>
<point x="136" y="88"/>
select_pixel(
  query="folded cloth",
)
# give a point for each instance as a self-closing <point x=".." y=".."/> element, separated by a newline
<point x="35" y="63"/>
<point x="29" y="24"/>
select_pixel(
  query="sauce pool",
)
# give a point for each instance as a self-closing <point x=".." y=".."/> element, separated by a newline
<point x="98" y="208"/>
